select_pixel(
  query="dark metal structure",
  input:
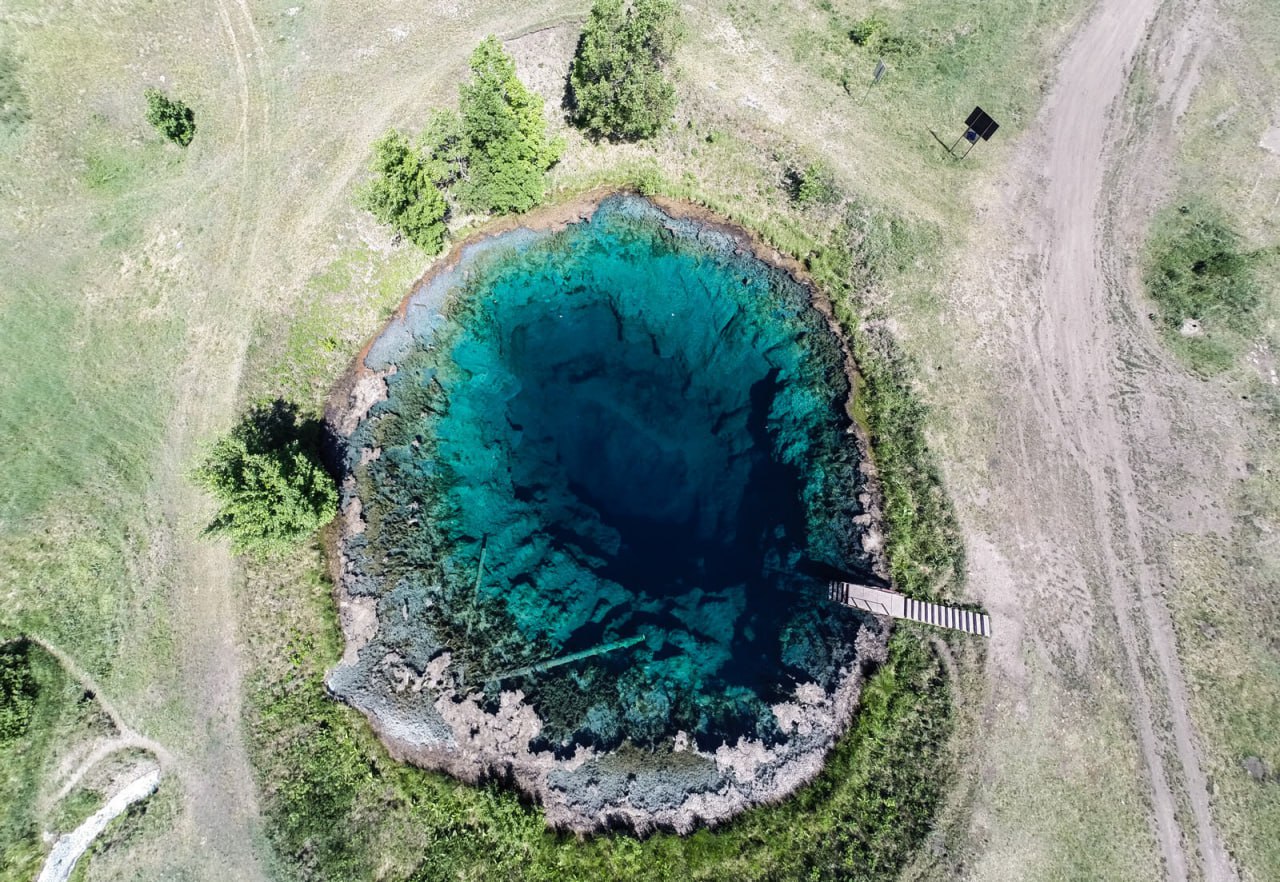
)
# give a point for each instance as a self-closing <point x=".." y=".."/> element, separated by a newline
<point x="978" y="125"/>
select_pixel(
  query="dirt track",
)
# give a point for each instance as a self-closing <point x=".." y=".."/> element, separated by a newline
<point x="1076" y="557"/>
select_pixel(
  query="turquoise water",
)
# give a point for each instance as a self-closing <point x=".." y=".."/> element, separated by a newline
<point x="640" y="427"/>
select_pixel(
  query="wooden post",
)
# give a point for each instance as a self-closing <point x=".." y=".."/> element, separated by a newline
<point x="566" y="659"/>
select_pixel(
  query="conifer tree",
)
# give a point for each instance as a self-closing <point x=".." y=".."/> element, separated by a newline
<point x="504" y="134"/>
<point x="404" y="195"/>
<point x="619" y="88"/>
<point x="273" y="491"/>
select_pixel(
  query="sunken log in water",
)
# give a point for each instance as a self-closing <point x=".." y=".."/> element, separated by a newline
<point x="596" y="476"/>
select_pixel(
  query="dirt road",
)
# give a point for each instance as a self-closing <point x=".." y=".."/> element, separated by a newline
<point x="1076" y="560"/>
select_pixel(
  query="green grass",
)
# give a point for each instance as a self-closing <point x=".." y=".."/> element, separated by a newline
<point x="942" y="59"/>
<point x="105" y="329"/>
<point x="343" y="304"/>
<point x="1232" y="683"/>
<point x="24" y="761"/>
<point x="136" y="826"/>
<point x="76" y="807"/>
<point x="1197" y="270"/>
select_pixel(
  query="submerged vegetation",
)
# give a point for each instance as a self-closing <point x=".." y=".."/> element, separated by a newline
<point x="642" y="420"/>
<point x="342" y="809"/>
<point x="618" y="85"/>
<point x="325" y="775"/>
<point x="271" y="485"/>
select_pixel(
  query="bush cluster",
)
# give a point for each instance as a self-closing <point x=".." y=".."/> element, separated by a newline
<point x="175" y="120"/>
<point x="813" y="184"/>
<point x="618" y="87"/>
<point x="876" y="36"/>
<point x="18" y="690"/>
<point x="493" y="156"/>
<point x="270" y="482"/>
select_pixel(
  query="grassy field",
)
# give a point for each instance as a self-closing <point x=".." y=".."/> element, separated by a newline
<point x="157" y="291"/>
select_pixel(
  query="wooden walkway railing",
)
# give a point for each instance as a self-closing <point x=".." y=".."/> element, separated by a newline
<point x="898" y="606"/>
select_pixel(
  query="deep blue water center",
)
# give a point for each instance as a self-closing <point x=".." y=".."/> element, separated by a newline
<point x="640" y="429"/>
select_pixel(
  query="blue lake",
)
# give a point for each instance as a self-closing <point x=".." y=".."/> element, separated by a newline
<point x="641" y="429"/>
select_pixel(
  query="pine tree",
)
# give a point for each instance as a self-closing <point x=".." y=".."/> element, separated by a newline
<point x="619" y="89"/>
<point x="267" y="475"/>
<point x="405" y="194"/>
<point x="505" y="136"/>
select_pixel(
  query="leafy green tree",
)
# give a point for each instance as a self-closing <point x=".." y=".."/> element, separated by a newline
<point x="504" y="136"/>
<point x="404" y="195"/>
<point x="175" y="120"/>
<point x="619" y="89"/>
<point x="268" y="477"/>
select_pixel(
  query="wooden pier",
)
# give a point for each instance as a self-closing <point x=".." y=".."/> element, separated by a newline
<point x="890" y="603"/>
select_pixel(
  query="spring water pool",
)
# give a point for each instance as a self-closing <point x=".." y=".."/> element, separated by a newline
<point x="622" y="441"/>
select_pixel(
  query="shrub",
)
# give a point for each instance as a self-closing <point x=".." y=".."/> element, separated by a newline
<point x="1196" y="270"/>
<point x="175" y="120"/>
<point x="647" y="179"/>
<point x="270" y="483"/>
<point x="866" y="31"/>
<point x="18" y="690"/>
<point x="617" y="85"/>
<point x="875" y="35"/>
<point x="404" y="194"/>
<point x="815" y="184"/>
<point x="504" y="136"/>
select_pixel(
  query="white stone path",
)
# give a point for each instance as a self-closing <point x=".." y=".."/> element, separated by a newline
<point x="71" y="846"/>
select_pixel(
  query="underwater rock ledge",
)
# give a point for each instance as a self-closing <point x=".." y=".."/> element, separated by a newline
<point x="547" y="459"/>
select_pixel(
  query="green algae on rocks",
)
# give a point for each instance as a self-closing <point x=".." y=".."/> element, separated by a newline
<point x="597" y="477"/>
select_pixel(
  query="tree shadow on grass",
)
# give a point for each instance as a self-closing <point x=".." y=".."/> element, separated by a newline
<point x="273" y="474"/>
